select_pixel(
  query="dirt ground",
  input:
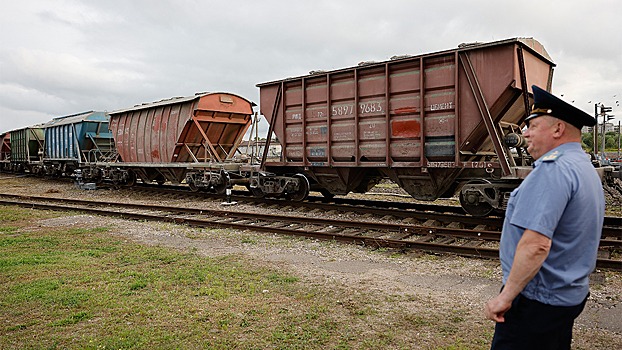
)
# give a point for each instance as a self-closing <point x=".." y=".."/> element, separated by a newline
<point x="466" y="283"/>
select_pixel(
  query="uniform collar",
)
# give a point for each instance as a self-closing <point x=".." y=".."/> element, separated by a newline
<point x="568" y="146"/>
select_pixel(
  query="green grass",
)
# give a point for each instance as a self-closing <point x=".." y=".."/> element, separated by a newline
<point x="83" y="288"/>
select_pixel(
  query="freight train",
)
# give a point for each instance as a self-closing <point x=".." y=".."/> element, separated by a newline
<point x="436" y="124"/>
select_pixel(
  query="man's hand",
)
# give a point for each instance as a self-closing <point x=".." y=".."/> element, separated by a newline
<point x="496" y="308"/>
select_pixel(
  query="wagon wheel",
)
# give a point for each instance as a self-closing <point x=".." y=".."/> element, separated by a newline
<point x="223" y="183"/>
<point x="131" y="179"/>
<point x="303" y="189"/>
<point x="193" y="186"/>
<point x="98" y="179"/>
<point x="220" y="188"/>
<point x="471" y="201"/>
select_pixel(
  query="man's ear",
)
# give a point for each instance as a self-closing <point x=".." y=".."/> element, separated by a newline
<point x="559" y="129"/>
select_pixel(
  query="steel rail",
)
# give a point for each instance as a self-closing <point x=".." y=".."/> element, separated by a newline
<point x="290" y="225"/>
<point x="285" y="228"/>
<point x="402" y="229"/>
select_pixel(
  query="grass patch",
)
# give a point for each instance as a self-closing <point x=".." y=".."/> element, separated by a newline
<point x="83" y="288"/>
<point x="16" y="214"/>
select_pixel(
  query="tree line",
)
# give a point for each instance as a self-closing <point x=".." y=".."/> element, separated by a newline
<point x="611" y="141"/>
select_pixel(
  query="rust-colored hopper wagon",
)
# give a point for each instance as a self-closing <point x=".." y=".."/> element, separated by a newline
<point x="5" y="146"/>
<point x="185" y="138"/>
<point x="5" y="151"/>
<point x="434" y="123"/>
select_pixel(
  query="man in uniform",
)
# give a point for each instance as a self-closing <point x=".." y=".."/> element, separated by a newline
<point x="550" y="234"/>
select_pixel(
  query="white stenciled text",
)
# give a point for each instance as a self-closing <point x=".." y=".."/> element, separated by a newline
<point x="441" y="106"/>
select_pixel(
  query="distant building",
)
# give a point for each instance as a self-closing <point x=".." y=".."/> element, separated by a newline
<point x="609" y="127"/>
<point x="255" y="149"/>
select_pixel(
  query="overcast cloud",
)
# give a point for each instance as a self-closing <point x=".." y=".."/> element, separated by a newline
<point x="60" y="57"/>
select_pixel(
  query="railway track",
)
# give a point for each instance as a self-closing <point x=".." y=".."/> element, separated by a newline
<point x="429" y="236"/>
<point x="243" y="195"/>
<point x="414" y="213"/>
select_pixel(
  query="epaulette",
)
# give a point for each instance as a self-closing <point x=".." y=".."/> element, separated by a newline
<point x="551" y="157"/>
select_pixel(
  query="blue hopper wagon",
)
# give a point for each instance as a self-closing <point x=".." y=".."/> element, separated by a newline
<point x="75" y="140"/>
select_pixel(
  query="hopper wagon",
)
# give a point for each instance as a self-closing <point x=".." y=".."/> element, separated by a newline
<point x="190" y="140"/>
<point x="26" y="149"/>
<point x="5" y="150"/>
<point x="74" y="141"/>
<point x="436" y="124"/>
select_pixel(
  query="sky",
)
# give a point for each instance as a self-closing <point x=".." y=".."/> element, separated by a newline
<point x="61" y="57"/>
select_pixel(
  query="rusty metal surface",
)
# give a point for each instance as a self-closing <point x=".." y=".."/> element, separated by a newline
<point x="201" y="128"/>
<point x="5" y="146"/>
<point x="419" y="120"/>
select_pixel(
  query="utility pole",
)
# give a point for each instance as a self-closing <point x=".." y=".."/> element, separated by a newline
<point x="603" y="112"/>
<point x="595" y="133"/>
<point x="619" y="131"/>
